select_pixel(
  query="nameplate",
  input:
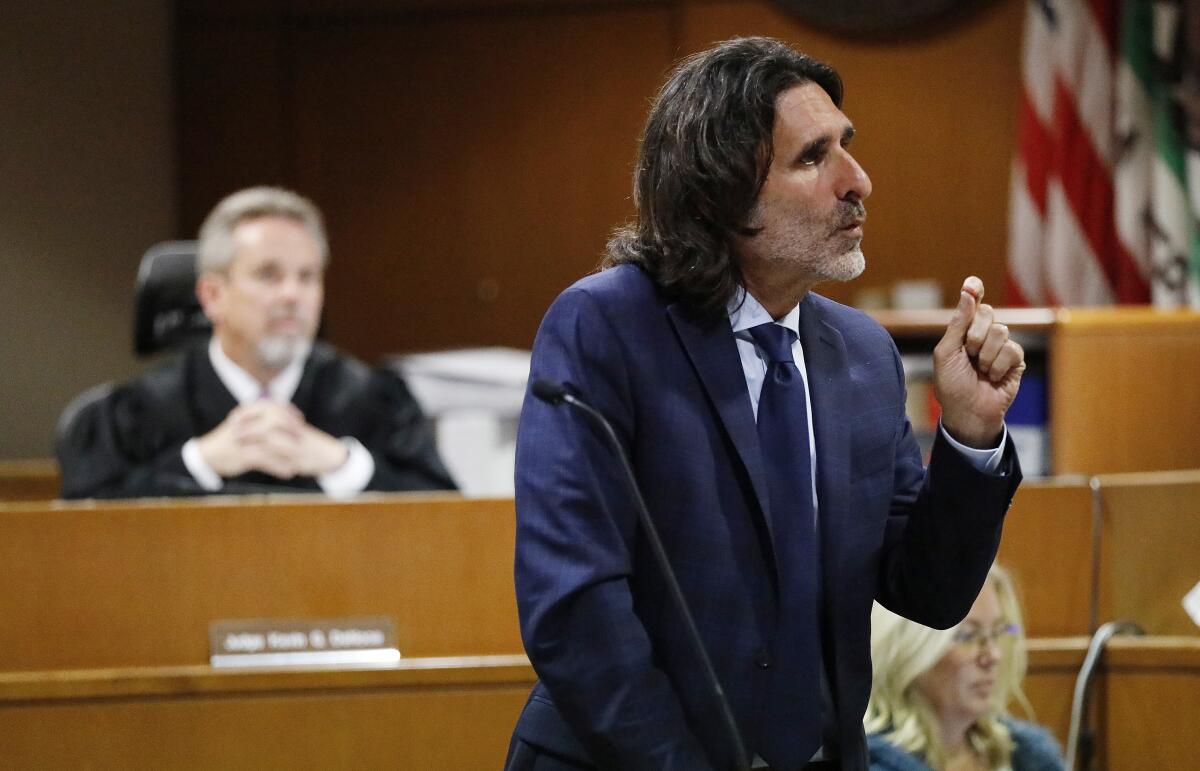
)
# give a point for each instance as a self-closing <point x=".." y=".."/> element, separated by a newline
<point x="272" y="642"/>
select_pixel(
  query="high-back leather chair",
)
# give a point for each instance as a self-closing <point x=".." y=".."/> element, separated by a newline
<point x="167" y="312"/>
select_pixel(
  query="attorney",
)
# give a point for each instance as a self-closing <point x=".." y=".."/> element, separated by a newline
<point x="766" y="425"/>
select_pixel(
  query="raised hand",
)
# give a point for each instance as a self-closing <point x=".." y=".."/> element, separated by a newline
<point x="976" y="370"/>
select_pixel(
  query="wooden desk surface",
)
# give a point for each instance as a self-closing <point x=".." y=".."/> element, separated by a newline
<point x="1105" y="320"/>
<point x="179" y="681"/>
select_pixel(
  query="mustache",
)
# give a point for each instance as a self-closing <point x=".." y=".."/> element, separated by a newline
<point x="849" y="213"/>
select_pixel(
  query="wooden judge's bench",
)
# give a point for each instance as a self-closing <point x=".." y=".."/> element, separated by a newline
<point x="104" y="633"/>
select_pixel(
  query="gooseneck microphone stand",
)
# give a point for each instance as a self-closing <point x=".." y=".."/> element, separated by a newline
<point x="556" y="393"/>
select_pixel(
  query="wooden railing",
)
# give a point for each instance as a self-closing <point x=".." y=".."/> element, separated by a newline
<point x="421" y="713"/>
<point x="1146" y="695"/>
<point x="35" y="479"/>
<point x="1126" y="550"/>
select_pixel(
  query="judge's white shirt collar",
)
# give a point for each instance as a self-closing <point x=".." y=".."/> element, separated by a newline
<point x="244" y="387"/>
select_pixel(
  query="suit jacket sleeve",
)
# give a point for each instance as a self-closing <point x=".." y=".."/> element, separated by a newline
<point x="576" y="536"/>
<point x="943" y="529"/>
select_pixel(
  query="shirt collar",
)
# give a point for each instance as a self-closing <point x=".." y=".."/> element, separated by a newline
<point x="746" y="312"/>
<point x="242" y="384"/>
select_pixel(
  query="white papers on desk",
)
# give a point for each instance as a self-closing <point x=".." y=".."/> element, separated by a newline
<point x="474" y="397"/>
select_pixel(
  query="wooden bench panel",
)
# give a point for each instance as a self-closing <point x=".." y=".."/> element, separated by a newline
<point x="1150" y="549"/>
<point x="1047" y="547"/>
<point x="423" y="715"/>
<point x="137" y="584"/>
<point x="459" y="714"/>
<point x="1050" y="681"/>
<point x="1119" y="399"/>
<point x="1145" y="698"/>
<point x="1152" y="703"/>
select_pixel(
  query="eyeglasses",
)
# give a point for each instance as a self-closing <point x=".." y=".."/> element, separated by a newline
<point x="979" y="639"/>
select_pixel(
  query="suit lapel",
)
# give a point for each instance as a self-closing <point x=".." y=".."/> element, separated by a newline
<point x="828" y="385"/>
<point x="713" y="352"/>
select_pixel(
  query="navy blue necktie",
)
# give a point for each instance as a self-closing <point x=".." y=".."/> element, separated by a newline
<point x="791" y="722"/>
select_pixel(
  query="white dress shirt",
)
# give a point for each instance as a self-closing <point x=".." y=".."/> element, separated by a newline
<point x="346" y="480"/>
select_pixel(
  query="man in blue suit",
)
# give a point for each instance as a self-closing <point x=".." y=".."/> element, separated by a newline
<point x="766" y="426"/>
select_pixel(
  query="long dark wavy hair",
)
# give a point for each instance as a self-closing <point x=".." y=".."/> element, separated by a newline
<point x="704" y="157"/>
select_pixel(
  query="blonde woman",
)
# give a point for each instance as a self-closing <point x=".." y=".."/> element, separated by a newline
<point x="938" y="697"/>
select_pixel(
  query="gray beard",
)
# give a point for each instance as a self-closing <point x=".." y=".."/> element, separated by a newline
<point x="804" y="243"/>
<point x="848" y="267"/>
<point x="276" y="352"/>
<point x="839" y="266"/>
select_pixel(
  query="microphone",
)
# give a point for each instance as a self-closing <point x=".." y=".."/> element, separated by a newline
<point x="557" y="393"/>
<point x="549" y="392"/>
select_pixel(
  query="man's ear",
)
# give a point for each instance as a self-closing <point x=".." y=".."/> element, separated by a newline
<point x="209" y="291"/>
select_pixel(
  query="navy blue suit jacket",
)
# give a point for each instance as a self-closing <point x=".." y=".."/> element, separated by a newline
<point x="619" y="683"/>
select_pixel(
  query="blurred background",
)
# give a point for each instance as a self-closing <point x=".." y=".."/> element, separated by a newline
<point x="470" y="156"/>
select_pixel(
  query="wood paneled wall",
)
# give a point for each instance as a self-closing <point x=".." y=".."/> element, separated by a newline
<point x="472" y="156"/>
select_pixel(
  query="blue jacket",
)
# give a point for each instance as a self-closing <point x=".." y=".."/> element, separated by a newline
<point x="619" y="680"/>
<point x="1036" y="750"/>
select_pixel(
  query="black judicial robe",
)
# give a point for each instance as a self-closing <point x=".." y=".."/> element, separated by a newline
<point x="128" y="444"/>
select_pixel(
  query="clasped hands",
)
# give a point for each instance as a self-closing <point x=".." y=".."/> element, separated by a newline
<point x="976" y="370"/>
<point x="272" y="438"/>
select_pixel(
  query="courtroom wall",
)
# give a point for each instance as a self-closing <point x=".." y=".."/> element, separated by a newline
<point x="86" y="183"/>
<point x="473" y="155"/>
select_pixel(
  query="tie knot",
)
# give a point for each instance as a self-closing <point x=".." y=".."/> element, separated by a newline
<point x="775" y="341"/>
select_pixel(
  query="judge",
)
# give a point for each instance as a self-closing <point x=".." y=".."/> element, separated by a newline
<point x="260" y="406"/>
